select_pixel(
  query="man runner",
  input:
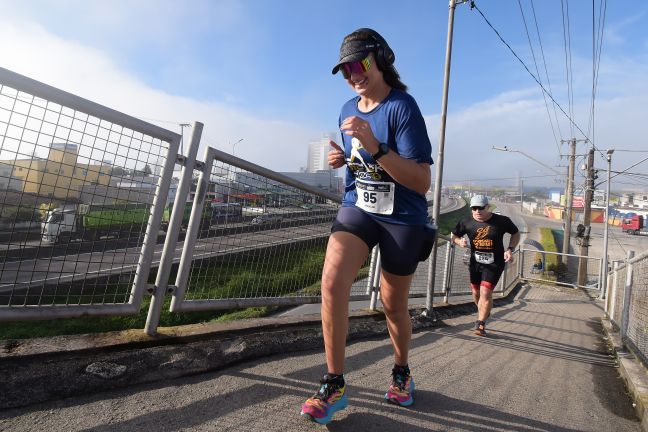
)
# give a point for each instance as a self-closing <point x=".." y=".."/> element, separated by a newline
<point x="488" y="257"/>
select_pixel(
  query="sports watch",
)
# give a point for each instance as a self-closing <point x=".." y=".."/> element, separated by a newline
<point x="383" y="149"/>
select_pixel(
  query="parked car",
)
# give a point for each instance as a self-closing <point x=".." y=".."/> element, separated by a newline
<point x="266" y="219"/>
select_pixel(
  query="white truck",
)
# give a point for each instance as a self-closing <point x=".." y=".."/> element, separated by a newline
<point x="91" y="222"/>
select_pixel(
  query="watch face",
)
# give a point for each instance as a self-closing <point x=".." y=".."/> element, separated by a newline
<point x="383" y="148"/>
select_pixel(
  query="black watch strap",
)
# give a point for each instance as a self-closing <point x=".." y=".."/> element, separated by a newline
<point x="383" y="149"/>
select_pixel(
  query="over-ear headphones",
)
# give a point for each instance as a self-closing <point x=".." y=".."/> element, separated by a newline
<point x="384" y="55"/>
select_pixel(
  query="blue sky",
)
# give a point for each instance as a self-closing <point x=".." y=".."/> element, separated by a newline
<point x="260" y="70"/>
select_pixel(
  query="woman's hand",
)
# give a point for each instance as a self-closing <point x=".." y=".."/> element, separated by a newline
<point x="335" y="155"/>
<point x="359" y="128"/>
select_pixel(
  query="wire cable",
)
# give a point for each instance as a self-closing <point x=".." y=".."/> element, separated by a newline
<point x="568" y="67"/>
<point x="544" y="62"/>
<point x="535" y="62"/>
<point x="571" y="121"/>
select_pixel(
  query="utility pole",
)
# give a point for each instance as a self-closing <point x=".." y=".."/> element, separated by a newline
<point x="587" y="219"/>
<point x="569" y="197"/>
<point x="438" y="163"/>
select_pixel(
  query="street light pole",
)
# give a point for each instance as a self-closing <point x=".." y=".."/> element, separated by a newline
<point x="604" y="270"/>
<point x="234" y="146"/>
<point x="521" y="195"/>
<point x="506" y="149"/>
<point x="229" y="184"/>
<point x="436" y="205"/>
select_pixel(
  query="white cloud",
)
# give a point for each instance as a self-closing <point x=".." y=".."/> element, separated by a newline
<point x="517" y="119"/>
<point x="31" y="50"/>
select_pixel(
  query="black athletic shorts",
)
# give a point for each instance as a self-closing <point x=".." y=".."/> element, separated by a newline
<point x="401" y="246"/>
<point x="485" y="273"/>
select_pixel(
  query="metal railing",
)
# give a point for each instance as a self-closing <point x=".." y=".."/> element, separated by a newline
<point x="627" y="302"/>
<point x="559" y="268"/>
<point x="92" y="184"/>
<point x="95" y="186"/>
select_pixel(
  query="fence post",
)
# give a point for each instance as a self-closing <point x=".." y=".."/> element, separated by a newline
<point x="627" y="294"/>
<point x="611" y="298"/>
<point x="372" y="269"/>
<point x="447" y="269"/>
<point x="374" y="277"/>
<point x="168" y="250"/>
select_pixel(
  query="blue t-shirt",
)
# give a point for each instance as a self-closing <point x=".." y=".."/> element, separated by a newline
<point x="398" y="122"/>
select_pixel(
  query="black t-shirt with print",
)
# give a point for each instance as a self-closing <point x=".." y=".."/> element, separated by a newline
<point x="486" y="236"/>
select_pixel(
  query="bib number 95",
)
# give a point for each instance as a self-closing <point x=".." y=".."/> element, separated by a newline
<point x="376" y="197"/>
<point x="370" y="197"/>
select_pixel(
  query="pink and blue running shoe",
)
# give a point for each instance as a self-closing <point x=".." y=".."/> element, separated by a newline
<point x="330" y="398"/>
<point x="401" y="390"/>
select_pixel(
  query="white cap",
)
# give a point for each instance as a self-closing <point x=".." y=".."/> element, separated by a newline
<point x="479" y="201"/>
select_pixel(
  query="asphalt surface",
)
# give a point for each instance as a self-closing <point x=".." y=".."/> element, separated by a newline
<point x="543" y="367"/>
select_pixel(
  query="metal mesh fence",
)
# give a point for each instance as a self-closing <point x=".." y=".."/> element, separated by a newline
<point x="259" y="238"/>
<point x="76" y="192"/>
<point x="637" y="325"/>
<point x="459" y="281"/>
<point x="452" y="277"/>
<point x="419" y="287"/>
<point x="616" y="293"/>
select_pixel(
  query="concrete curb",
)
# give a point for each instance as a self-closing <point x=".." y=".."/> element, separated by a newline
<point x="632" y="372"/>
<point x="37" y="370"/>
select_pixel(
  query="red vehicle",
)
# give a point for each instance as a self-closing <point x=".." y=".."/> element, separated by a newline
<point x="634" y="225"/>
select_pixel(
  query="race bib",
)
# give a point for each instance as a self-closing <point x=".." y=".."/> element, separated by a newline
<point x="484" y="257"/>
<point x="375" y="197"/>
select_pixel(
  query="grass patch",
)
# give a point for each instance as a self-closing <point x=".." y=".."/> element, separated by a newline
<point x="301" y="274"/>
<point x="448" y="221"/>
<point x="554" y="269"/>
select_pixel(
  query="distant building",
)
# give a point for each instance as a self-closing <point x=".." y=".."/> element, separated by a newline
<point x="7" y="179"/>
<point x="60" y="175"/>
<point x="325" y="179"/>
<point x="317" y="154"/>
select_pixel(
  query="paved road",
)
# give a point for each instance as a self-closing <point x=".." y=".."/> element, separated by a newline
<point x="73" y="267"/>
<point x="618" y="242"/>
<point x="543" y="368"/>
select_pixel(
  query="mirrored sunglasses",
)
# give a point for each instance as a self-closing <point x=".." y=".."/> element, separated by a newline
<point x="355" y="67"/>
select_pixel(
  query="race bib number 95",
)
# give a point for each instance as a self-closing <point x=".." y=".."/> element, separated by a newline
<point x="375" y="197"/>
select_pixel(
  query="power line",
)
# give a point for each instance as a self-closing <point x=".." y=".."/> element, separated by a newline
<point x="474" y="6"/>
<point x="544" y="62"/>
<point x="597" y="47"/>
<point x="631" y="151"/>
<point x="568" y="67"/>
<point x="631" y="166"/>
<point x="503" y="178"/>
<point x="544" y="97"/>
